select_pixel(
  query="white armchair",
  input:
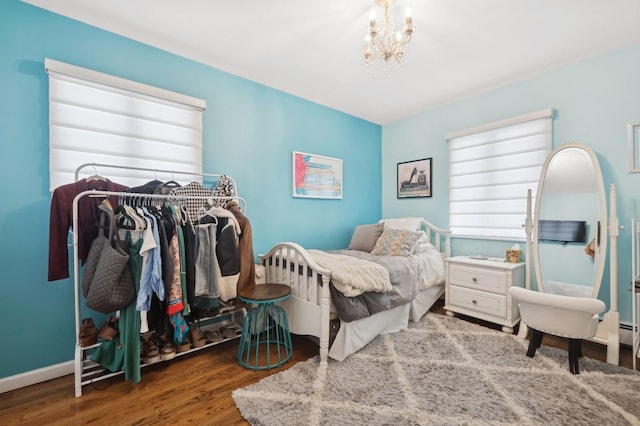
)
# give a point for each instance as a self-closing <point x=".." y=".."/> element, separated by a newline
<point x="575" y="318"/>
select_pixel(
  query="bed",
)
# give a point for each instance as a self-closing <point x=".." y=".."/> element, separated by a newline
<point x="347" y="286"/>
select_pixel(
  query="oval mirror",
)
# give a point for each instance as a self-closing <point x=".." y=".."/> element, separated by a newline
<point x="570" y="223"/>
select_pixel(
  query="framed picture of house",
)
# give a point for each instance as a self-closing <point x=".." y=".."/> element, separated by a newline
<point x="414" y="178"/>
<point x="316" y="176"/>
<point x="633" y="141"/>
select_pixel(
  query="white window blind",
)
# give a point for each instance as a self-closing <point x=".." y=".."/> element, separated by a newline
<point x="99" y="118"/>
<point x="491" y="167"/>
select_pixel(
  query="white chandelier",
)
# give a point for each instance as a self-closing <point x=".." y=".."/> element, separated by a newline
<point x="387" y="43"/>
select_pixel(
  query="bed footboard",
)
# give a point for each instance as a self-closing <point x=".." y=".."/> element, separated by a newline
<point x="308" y="308"/>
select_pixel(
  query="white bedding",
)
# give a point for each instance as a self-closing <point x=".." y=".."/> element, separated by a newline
<point x="431" y="268"/>
<point x="431" y="272"/>
<point x="353" y="276"/>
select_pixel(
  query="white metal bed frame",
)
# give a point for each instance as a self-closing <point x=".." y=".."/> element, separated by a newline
<point x="309" y="307"/>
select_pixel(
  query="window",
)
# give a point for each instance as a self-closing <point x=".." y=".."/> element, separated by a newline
<point x="98" y="118"/>
<point x="491" y="167"/>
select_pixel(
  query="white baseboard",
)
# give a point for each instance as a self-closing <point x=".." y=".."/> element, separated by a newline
<point x="36" y="376"/>
<point x="626" y="334"/>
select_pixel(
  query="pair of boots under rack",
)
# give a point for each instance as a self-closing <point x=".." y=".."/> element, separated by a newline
<point x="89" y="335"/>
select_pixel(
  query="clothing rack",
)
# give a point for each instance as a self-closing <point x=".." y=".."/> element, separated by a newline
<point x="176" y="199"/>
<point x="95" y="166"/>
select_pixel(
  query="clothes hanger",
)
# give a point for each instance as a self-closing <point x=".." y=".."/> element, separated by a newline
<point x="141" y="224"/>
<point x="123" y="220"/>
<point x="202" y="212"/>
<point x="171" y="184"/>
<point x="96" y="176"/>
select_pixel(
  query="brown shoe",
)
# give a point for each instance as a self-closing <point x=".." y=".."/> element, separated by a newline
<point x="150" y="351"/>
<point x="184" y="346"/>
<point x="88" y="334"/>
<point x="230" y="332"/>
<point x="109" y="330"/>
<point x="167" y="349"/>
<point x="197" y="340"/>
<point x="213" y="336"/>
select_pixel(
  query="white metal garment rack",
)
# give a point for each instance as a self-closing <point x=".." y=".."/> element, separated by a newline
<point x="80" y="377"/>
<point x="96" y="166"/>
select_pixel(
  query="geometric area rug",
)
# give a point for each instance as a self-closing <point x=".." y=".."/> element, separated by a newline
<point x="445" y="371"/>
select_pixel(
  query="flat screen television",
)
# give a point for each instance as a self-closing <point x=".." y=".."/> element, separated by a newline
<point x="563" y="231"/>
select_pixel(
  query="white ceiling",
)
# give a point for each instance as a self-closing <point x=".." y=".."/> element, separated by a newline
<point x="313" y="49"/>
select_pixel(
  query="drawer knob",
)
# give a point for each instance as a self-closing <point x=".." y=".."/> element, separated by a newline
<point x="474" y="302"/>
<point x="474" y="279"/>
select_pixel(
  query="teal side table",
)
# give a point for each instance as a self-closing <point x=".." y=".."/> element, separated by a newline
<point x="265" y="341"/>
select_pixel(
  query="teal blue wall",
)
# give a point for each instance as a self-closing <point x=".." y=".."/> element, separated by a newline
<point x="249" y="133"/>
<point x="594" y="100"/>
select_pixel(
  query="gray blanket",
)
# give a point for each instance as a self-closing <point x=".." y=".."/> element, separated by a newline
<point x="403" y="274"/>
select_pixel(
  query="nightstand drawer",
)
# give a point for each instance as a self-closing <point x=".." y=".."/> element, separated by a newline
<point x="479" y="278"/>
<point x="492" y="304"/>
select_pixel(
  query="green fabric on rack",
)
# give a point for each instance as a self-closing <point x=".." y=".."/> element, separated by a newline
<point x="130" y="318"/>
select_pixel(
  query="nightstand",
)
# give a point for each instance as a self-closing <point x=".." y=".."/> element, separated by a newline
<point x="478" y="288"/>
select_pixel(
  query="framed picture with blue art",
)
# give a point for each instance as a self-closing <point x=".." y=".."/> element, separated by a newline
<point x="414" y="179"/>
<point x="316" y="176"/>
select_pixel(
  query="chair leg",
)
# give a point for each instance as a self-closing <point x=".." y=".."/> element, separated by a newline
<point x="535" y="342"/>
<point x="575" y="351"/>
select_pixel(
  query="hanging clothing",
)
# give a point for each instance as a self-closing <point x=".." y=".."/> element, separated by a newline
<point x="193" y="206"/>
<point x="224" y="188"/>
<point x="247" y="277"/>
<point x="147" y="188"/>
<point x="129" y="323"/>
<point x="206" y="266"/>
<point x="225" y="251"/>
<point x="188" y="233"/>
<point x="174" y="302"/>
<point x="151" y="276"/>
<point x="183" y="271"/>
<point x="123" y="352"/>
<point x="61" y="220"/>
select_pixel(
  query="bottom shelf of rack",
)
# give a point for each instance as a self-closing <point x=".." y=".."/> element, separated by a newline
<point x="91" y="371"/>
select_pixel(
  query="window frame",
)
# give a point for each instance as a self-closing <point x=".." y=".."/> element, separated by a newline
<point x="99" y="118"/>
<point x="494" y="165"/>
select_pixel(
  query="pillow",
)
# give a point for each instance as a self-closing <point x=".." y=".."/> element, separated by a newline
<point x="410" y="223"/>
<point x="396" y="242"/>
<point x="422" y="245"/>
<point x="365" y="236"/>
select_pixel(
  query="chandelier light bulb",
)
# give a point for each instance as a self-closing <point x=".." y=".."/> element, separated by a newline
<point x="385" y="42"/>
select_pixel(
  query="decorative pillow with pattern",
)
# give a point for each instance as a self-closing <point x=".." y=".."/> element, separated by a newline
<point x="396" y="242"/>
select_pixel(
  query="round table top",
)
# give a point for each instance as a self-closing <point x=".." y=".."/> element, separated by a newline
<point x="266" y="292"/>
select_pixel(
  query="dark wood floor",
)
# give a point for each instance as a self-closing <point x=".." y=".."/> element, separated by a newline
<point x="194" y="389"/>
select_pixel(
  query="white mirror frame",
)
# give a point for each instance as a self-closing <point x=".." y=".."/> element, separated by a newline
<point x="602" y="216"/>
<point x="608" y="332"/>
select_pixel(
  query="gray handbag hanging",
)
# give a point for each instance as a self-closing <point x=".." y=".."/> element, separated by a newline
<point x="107" y="282"/>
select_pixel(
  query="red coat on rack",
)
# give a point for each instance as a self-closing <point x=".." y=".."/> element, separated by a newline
<point x="61" y="220"/>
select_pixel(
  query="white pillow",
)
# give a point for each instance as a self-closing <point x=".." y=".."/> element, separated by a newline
<point x="422" y="245"/>
<point x="409" y="223"/>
